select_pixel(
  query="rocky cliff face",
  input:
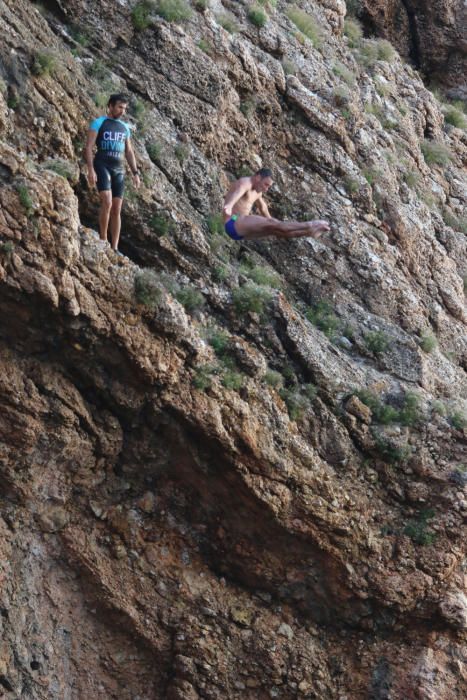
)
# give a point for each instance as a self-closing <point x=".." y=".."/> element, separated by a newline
<point x="432" y="34"/>
<point x="239" y="472"/>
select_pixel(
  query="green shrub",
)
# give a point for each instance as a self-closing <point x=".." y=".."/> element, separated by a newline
<point x="435" y="153"/>
<point x="7" y="248"/>
<point x="458" y="420"/>
<point x="201" y="4"/>
<point x="345" y="73"/>
<point x="390" y="452"/>
<point x="380" y="412"/>
<point x="352" y="185"/>
<point x="232" y="380"/>
<point x="427" y="342"/>
<point x="368" y="53"/>
<point x="417" y="530"/>
<point x="181" y="151"/>
<point x="61" y="167"/>
<point x="342" y="95"/>
<point x="297" y="401"/>
<point x="141" y="13"/>
<point x="220" y="273"/>
<point x="228" y="22"/>
<point x="262" y="276"/>
<point x="25" y="199"/>
<point x="354" y="7"/>
<point x="173" y="10"/>
<point x="377" y="342"/>
<point x="354" y="33"/>
<point x="13" y="101"/>
<point x="410" y="412"/>
<point x="248" y="106"/>
<point x="439" y="408"/>
<point x="289" y="67"/>
<point x="203" y="377"/>
<point x="205" y="46"/>
<point x="411" y="178"/>
<point x="190" y="298"/>
<point x="322" y="315"/>
<point x="457" y="224"/>
<point x="386" y="51"/>
<point x="161" y="224"/>
<point x="307" y="25"/>
<point x="45" y="63"/>
<point x="148" y="288"/>
<point x="154" y="151"/>
<point x="257" y="16"/>
<point x="251" y="298"/>
<point x="454" y="116"/>
<point x="218" y="340"/>
<point x="215" y="224"/>
<point x="273" y="378"/>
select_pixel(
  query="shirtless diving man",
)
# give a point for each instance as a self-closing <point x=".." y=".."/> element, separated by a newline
<point x="240" y="224"/>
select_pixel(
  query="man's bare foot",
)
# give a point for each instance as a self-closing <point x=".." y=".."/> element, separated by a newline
<point x="317" y="228"/>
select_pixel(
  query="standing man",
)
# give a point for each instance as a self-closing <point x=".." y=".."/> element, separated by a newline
<point x="240" y="224"/>
<point x="107" y="167"/>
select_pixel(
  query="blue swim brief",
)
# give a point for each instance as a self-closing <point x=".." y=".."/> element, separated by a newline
<point x="230" y="228"/>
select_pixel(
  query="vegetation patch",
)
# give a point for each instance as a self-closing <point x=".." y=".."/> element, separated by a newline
<point x="251" y="298"/>
<point x="44" y="63"/>
<point x="161" y="224"/>
<point x="307" y="24"/>
<point x="427" y="342"/>
<point x="154" y="150"/>
<point x="228" y="21"/>
<point x="435" y="153"/>
<point x="204" y="376"/>
<point x="455" y="117"/>
<point x="458" y="420"/>
<point x="190" y="298"/>
<point x="298" y="400"/>
<point x="354" y="33"/>
<point x="61" y="167"/>
<point x="141" y="14"/>
<point x="345" y="73"/>
<point x="418" y="528"/>
<point x="323" y="317"/>
<point x="257" y="16"/>
<point x="173" y="10"/>
<point x="25" y="199"/>
<point x="148" y="288"/>
<point x="273" y="379"/>
<point x="264" y="276"/>
<point x="377" y="342"/>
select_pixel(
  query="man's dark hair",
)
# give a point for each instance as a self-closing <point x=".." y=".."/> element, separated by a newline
<point x="264" y="172"/>
<point x="117" y="97"/>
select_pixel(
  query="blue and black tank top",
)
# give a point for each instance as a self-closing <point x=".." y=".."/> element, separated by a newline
<point x="111" y="137"/>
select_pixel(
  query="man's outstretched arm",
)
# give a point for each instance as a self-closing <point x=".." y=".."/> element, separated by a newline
<point x="235" y="193"/>
<point x="262" y="208"/>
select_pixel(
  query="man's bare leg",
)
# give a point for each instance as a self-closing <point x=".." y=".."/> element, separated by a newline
<point x="104" y="213"/>
<point x="115" y="221"/>
<point x="251" y="227"/>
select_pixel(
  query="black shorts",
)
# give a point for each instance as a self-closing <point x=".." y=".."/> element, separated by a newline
<point x="110" y="177"/>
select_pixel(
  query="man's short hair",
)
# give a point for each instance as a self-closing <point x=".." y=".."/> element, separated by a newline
<point x="117" y="97"/>
<point x="264" y="172"/>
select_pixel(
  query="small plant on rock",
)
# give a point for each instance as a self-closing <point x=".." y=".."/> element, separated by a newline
<point x="148" y="288"/>
<point x="181" y="151"/>
<point x="427" y="342"/>
<point x="307" y="25"/>
<point x="345" y="73"/>
<point x="417" y="529"/>
<point x="228" y="22"/>
<point x="354" y="33"/>
<point x="454" y="117"/>
<point x="435" y="153"/>
<point x="262" y="275"/>
<point x="25" y="199"/>
<point x="458" y="420"/>
<point x="45" y="63"/>
<point x="251" y="298"/>
<point x="141" y="14"/>
<point x="377" y="342"/>
<point x="161" y="224"/>
<point x="61" y="167"/>
<point x="203" y="377"/>
<point x="190" y="298"/>
<point x="232" y="379"/>
<point x="215" y="224"/>
<point x="273" y="378"/>
<point x="173" y="10"/>
<point x="322" y="315"/>
<point x="154" y="150"/>
<point x="257" y="16"/>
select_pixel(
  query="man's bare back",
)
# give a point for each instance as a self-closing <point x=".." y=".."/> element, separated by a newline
<point x="241" y="224"/>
